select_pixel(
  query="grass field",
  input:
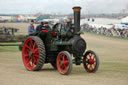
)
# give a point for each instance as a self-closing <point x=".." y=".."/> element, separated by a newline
<point x="113" y="69"/>
<point x="9" y="48"/>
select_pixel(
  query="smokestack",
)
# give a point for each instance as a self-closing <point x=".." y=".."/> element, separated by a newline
<point x="76" y="19"/>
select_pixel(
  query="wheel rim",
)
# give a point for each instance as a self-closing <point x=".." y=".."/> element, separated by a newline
<point x="30" y="54"/>
<point x="90" y="62"/>
<point x="62" y="63"/>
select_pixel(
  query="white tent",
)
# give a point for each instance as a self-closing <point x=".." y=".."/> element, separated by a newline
<point x="124" y="20"/>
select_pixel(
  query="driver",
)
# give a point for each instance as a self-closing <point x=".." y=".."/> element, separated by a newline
<point x="47" y="27"/>
<point x="40" y="27"/>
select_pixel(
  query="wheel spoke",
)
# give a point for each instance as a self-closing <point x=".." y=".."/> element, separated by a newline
<point x="93" y="57"/>
<point x="29" y="47"/>
<point x="34" y="45"/>
<point x="31" y="43"/>
<point x="90" y="67"/>
<point x="90" y="55"/>
<point x="65" y="62"/>
<point x="61" y="66"/>
<point x="36" y="60"/>
<point x="28" y="62"/>
<point x="94" y="66"/>
<point x="65" y="67"/>
<point x="27" y="50"/>
<point x="31" y="59"/>
<point x="94" y="61"/>
<point x="36" y="50"/>
<point x="36" y="55"/>
<point x="61" y="63"/>
<point x="33" y="63"/>
<point x="63" y="57"/>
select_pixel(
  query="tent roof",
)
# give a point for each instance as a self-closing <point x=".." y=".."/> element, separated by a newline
<point x="124" y="20"/>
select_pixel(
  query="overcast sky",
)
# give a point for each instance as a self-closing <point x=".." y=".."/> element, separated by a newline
<point x="61" y="6"/>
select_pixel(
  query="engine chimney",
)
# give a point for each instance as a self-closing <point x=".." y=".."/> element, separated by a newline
<point x="76" y="19"/>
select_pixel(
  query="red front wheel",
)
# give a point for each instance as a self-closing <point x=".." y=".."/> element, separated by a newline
<point x="64" y="62"/>
<point x="33" y="53"/>
<point x="91" y="61"/>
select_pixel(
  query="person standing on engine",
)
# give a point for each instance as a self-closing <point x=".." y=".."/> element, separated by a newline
<point x="31" y="28"/>
<point x="40" y="27"/>
<point x="47" y="27"/>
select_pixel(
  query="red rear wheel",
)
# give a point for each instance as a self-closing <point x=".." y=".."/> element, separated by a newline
<point x="64" y="62"/>
<point x="33" y="53"/>
<point x="91" y="61"/>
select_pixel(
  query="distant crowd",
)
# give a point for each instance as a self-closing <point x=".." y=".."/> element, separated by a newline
<point x="123" y="33"/>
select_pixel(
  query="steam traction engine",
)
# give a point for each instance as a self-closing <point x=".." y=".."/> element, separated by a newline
<point x="61" y="46"/>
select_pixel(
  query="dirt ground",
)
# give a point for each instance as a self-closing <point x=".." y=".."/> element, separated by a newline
<point x="113" y="70"/>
